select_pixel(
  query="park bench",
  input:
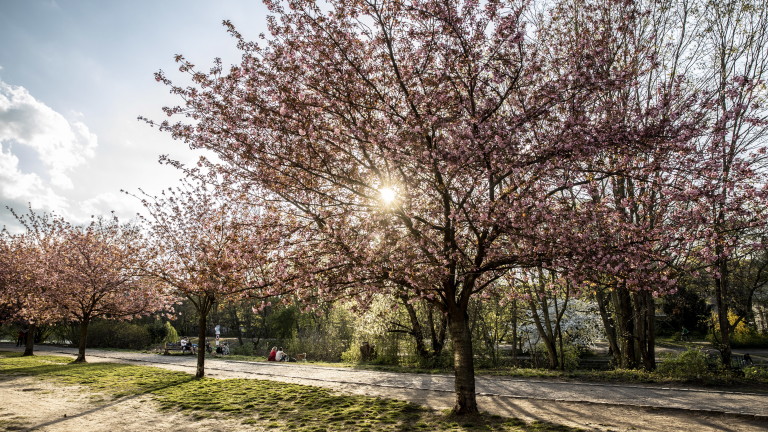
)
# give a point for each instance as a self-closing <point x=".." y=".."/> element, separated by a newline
<point x="175" y="346"/>
<point x="737" y="362"/>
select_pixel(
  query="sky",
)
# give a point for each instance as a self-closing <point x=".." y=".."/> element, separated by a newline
<point x="74" y="77"/>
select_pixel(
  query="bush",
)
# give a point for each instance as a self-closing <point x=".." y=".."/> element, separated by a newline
<point x="690" y="364"/>
<point x="317" y="345"/>
<point x="749" y="338"/>
<point x="170" y="333"/>
<point x="743" y="336"/>
<point x="756" y="373"/>
<point x="570" y="357"/>
<point x="243" y="350"/>
<point x="117" y="334"/>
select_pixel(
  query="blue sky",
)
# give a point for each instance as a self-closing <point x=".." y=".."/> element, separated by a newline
<point x="75" y="74"/>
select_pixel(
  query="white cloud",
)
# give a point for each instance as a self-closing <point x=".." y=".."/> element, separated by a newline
<point x="25" y="187"/>
<point x="60" y="144"/>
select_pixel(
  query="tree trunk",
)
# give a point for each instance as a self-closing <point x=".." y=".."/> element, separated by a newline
<point x="514" y="332"/>
<point x="29" y="345"/>
<point x="463" y="363"/>
<point x="763" y="319"/>
<point x="545" y="331"/>
<point x="625" y="327"/>
<point x="200" y="372"/>
<point x="416" y="330"/>
<point x="82" y="342"/>
<point x="644" y="328"/>
<point x="437" y="331"/>
<point x="721" y="301"/>
<point x="610" y="327"/>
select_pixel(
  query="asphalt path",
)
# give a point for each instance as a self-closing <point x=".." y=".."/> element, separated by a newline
<point x="691" y="401"/>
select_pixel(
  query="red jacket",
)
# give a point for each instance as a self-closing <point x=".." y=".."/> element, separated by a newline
<point x="272" y="355"/>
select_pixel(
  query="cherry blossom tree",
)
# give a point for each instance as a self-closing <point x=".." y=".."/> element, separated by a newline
<point x="423" y="146"/>
<point x="99" y="273"/>
<point x="27" y="280"/>
<point x="212" y="246"/>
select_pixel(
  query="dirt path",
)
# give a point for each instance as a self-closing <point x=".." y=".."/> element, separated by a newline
<point x="590" y="406"/>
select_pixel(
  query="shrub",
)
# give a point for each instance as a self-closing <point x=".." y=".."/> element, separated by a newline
<point x="743" y="335"/>
<point x="117" y="334"/>
<point x="570" y="357"/>
<point x="243" y="350"/>
<point x="756" y="373"/>
<point x="749" y="338"/>
<point x="170" y="333"/>
<point x="690" y="364"/>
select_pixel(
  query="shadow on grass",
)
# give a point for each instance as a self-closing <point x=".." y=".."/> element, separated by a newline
<point x="304" y="408"/>
<point x="266" y="404"/>
<point x="124" y="382"/>
<point x="117" y="379"/>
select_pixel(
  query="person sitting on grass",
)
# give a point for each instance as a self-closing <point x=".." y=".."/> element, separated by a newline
<point x="280" y="355"/>
<point x="272" y="354"/>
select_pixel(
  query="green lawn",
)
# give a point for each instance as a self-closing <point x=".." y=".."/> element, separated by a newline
<point x="257" y="402"/>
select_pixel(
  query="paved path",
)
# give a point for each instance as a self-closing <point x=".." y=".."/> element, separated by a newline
<point x="539" y="393"/>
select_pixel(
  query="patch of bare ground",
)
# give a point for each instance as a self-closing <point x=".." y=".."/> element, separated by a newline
<point x="31" y="404"/>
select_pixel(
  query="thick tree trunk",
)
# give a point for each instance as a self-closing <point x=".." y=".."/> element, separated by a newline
<point x="463" y="363"/>
<point x="644" y="328"/>
<point x="82" y="342"/>
<point x="29" y="345"/>
<point x="625" y="327"/>
<point x="202" y="323"/>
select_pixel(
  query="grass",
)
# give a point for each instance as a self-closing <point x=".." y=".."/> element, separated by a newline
<point x="257" y="402"/>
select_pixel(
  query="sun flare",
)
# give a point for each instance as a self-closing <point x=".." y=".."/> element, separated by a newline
<point x="387" y="195"/>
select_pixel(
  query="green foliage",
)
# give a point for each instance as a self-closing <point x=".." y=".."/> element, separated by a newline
<point x="117" y="334"/>
<point x="170" y="333"/>
<point x="259" y="404"/>
<point x="685" y="308"/>
<point x="352" y="354"/>
<point x="569" y="356"/>
<point x="756" y="373"/>
<point x="281" y="324"/>
<point x="160" y="333"/>
<point x="242" y="350"/>
<point x="121" y="334"/>
<point x="749" y="338"/>
<point x="323" y="336"/>
<point x="742" y="335"/>
<point x="690" y="364"/>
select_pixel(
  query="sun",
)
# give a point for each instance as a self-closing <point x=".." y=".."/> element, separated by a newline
<point x="388" y="195"/>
